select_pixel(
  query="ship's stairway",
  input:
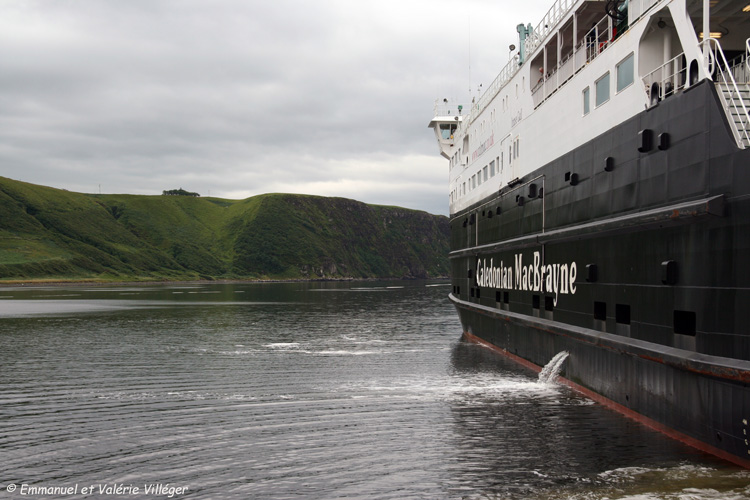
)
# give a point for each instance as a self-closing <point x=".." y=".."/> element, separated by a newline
<point x="737" y="103"/>
<point x="732" y="85"/>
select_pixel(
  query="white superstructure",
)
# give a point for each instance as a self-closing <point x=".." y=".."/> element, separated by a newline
<point x="580" y="72"/>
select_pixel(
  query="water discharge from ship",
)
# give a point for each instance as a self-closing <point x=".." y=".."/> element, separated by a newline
<point x="552" y="369"/>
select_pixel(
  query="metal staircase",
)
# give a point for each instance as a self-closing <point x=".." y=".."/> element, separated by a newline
<point x="737" y="103"/>
<point x="733" y="85"/>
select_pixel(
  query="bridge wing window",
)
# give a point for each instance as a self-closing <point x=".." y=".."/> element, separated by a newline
<point x="446" y="130"/>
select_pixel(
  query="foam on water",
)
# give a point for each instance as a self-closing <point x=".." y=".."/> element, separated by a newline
<point x="681" y="482"/>
<point x="369" y="396"/>
<point x="282" y="345"/>
<point x="341" y="352"/>
<point x="552" y="369"/>
<point x="465" y="388"/>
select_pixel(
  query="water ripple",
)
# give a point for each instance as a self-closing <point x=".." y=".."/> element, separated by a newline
<point x="306" y="395"/>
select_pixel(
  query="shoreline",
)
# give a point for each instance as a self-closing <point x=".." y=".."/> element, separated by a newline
<point x="82" y="282"/>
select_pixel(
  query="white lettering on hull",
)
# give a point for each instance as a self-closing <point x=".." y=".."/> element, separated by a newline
<point x="557" y="279"/>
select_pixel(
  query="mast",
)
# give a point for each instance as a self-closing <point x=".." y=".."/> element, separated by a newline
<point x="706" y="31"/>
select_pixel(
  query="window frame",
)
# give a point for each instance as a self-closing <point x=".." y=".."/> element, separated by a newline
<point x="609" y="90"/>
<point x="629" y="57"/>
<point x="586" y="94"/>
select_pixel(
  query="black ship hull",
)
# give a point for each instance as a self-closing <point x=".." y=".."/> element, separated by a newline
<point x="630" y="252"/>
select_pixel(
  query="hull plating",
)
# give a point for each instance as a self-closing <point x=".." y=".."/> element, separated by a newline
<point x="632" y="256"/>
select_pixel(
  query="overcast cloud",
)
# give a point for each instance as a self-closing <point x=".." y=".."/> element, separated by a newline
<point x="236" y="98"/>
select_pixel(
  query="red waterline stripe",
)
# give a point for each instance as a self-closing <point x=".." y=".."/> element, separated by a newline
<point x="648" y="422"/>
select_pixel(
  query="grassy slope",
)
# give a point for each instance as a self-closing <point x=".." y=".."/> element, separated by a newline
<point x="47" y="233"/>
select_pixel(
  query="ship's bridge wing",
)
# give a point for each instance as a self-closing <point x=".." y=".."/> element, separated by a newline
<point x="445" y="129"/>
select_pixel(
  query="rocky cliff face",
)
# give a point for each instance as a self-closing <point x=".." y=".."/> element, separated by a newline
<point x="316" y="237"/>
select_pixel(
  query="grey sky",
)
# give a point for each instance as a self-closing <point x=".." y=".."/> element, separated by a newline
<point x="236" y="98"/>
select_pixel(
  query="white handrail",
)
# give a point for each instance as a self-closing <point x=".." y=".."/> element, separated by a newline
<point x="504" y="77"/>
<point x="670" y="77"/>
<point x="546" y="26"/>
<point x="558" y="10"/>
<point x="715" y="59"/>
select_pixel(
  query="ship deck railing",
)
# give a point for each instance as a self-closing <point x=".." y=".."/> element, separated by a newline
<point x="546" y="26"/>
<point x="593" y="43"/>
<point x="666" y="80"/>
<point x="740" y="65"/>
<point x="448" y="107"/>
<point x="503" y="78"/>
<point x="584" y="53"/>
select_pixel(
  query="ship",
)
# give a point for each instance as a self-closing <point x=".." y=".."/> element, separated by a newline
<point x="599" y="200"/>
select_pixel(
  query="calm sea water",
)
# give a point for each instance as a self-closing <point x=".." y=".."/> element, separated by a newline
<point x="304" y="390"/>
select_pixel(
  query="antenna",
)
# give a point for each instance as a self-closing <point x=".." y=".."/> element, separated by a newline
<point x="469" y="54"/>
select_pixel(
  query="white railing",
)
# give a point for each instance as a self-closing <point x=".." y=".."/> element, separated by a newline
<point x="558" y="10"/>
<point x="740" y="65"/>
<point x="550" y="83"/>
<point x="669" y="78"/>
<point x="548" y="23"/>
<point x="734" y="103"/>
<point x="580" y="58"/>
<point x="446" y="107"/>
<point x="504" y="77"/>
<point x="593" y="44"/>
<point x="739" y="69"/>
<point x="596" y="41"/>
<point x="567" y="69"/>
<point x="537" y="94"/>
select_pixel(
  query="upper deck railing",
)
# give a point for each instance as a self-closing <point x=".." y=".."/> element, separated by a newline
<point x="548" y="23"/>
<point x="589" y="47"/>
<point x="448" y="107"/>
<point x="504" y="77"/>
<point x="558" y="10"/>
<point x="584" y="52"/>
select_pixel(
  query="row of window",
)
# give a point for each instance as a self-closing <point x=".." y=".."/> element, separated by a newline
<point x="487" y="172"/>
<point x="625" y="74"/>
<point x="624" y="78"/>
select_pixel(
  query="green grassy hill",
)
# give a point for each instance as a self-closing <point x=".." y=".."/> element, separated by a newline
<point x="53" y="234"/>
